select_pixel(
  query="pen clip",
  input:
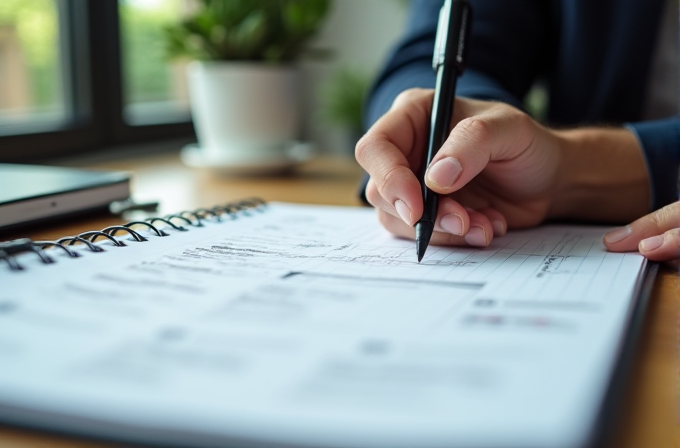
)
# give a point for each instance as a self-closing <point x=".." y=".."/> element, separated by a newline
<point x="453" y="33"/>
<point x="440" y="39"/>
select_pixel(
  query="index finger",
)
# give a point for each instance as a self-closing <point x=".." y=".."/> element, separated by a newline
<point x="390" y="151"/>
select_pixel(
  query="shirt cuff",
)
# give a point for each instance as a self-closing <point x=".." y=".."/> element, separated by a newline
<point x="660" y="142"/>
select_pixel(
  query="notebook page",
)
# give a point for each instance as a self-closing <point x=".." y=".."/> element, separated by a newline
<point x="312" y="326"/>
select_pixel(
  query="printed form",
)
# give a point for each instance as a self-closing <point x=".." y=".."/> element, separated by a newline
<point x="312" y="326"/>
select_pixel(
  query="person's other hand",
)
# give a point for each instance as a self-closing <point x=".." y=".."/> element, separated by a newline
<point x="656" y="235"/>
<point x="497" y="169"/>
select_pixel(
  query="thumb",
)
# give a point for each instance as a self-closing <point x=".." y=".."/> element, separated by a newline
<point x="499" y="132"/>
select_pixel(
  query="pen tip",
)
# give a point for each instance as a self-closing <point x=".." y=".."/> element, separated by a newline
<point x="423" y="234"/>
<point x="420" y="250"/>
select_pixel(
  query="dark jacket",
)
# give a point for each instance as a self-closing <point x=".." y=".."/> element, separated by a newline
<point x="593" y="57"/>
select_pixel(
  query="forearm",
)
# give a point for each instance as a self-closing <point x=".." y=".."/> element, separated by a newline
<point x="602" y="176"/>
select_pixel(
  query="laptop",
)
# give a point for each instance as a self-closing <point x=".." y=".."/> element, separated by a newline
<point x="31" y="194"/>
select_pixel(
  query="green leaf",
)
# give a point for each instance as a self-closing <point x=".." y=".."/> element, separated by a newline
<point x="255" y="30"/>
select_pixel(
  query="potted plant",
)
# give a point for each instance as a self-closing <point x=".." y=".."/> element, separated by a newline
<point x="244" y="84"/>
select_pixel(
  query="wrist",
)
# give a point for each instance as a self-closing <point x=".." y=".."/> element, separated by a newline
<point x="602" y="176"/>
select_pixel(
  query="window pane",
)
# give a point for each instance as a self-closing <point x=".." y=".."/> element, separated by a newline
<point x="31" y="90"/>
<point x="154" y="89"/>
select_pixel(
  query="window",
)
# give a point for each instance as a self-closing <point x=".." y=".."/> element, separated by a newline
<point x="31" y="91"/>
<point x="154" y="90"/>
<point x="82" y="75"/>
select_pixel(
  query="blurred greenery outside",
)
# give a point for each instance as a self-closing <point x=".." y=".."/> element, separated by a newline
<point x="35" y="25"/>
<point x="147" y="75"/>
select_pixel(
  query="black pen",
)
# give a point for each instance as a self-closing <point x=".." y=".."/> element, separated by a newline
<point x="453" y="30"/>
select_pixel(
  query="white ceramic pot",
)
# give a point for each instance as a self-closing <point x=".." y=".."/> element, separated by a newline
<point x="245" y="113"/>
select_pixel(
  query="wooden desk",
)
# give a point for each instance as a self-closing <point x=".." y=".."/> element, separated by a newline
<point x="650" y="415"/>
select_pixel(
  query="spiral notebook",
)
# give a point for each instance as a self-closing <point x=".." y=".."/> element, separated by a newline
<point x="280" y="325"/>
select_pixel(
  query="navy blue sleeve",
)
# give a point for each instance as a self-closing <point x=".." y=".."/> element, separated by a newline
<point x="660" y="142"/>
<point x="508" y="49"/>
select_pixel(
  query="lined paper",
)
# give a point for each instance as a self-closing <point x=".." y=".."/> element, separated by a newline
<point x="311" y="326"/>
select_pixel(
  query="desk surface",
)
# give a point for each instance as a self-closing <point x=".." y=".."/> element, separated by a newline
<point x="650" y="410"/>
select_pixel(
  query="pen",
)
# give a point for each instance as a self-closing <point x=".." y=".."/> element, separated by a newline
<point x="453" y="30"/>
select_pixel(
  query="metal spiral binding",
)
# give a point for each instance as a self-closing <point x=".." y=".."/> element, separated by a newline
<point x="196" y="218"/>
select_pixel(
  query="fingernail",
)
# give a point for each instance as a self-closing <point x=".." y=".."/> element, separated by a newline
<point x="444" y="173"/>
<point x="404" y="211"/>
<point x="498" y="227"/>
<point x="651" y="243"/>
<point x="617" y="235"/>
<point x="452" y="223"/>
<point x="476" y="236"/>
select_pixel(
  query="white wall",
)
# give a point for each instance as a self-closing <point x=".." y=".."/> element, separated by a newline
<point x="360" y="33"/>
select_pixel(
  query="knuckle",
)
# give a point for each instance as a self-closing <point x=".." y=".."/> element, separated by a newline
<point x="381" y="184"/>
<point x="656" y="218"/>
<point x="673" y="211"/>
<point x="667" y="216"/>
<point x="523" y="121"/>
<point x="390" y="177"/>
<point x="408" y="96"/>
<point x="473" y="129"/>
<point x="362" y="148"/>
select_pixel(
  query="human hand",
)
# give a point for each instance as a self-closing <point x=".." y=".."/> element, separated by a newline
<point x="656" y="235"/>
<point x="497" y="169"/>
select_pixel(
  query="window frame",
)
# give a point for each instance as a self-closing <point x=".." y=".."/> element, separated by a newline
<point x="91" y="64"/>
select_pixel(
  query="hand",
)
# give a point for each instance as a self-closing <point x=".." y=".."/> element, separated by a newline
<point x="656" y="236"/>
<point x="498" y="168"/>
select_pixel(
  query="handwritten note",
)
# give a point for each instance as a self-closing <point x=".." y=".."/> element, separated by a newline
<point x="312" y="326"/>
